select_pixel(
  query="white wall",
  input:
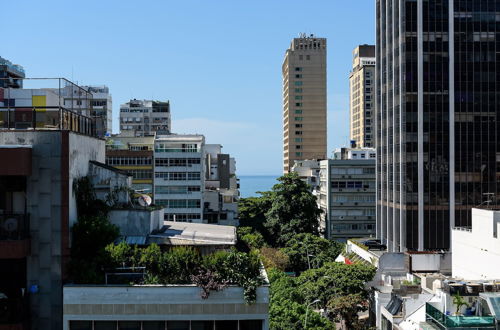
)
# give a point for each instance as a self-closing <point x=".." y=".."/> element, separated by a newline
<point x="476" y="253"/>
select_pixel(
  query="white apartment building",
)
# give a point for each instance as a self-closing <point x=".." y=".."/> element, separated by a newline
<point x="308" y="170"/>
<point x="179" y="176"/>
<point x="221" y="192"/>
<point x="347" y="195"/>
<point x="145" y="117"/>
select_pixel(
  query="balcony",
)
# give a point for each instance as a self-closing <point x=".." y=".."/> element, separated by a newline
<point x="444" y="321"/>
<point x="14" y="236"/>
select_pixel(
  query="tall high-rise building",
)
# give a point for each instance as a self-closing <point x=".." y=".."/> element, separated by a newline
<point x="361" y="96"/>
<point x="304" y="100"/>
<point x="145" y="117"/>
<point x="437" y="118"/>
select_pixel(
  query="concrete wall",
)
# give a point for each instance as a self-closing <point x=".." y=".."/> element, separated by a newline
<point x="179" y="302"/>
<point x="57" y="158"/>
<point x="136" y="222"/>
<point x="431" y="262"/>
<point x="475" y="253"/>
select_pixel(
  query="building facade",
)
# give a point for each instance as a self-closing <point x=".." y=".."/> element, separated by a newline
<point x="221" y="192"/>
<point x="347" y="198"/>
<point x="37" y="211"/>
<point x="11" y="75"/>
<point x="308" y="170"/>
<point x="179" y="176"/>
<point x="304" y="100"/>
<point x="134" y="155"/>
<point x="145" y="117"/>
<point x="362" y="96"/>
<point x="437" y="118"/>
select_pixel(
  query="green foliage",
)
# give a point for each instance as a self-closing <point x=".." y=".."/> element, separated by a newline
<point x="87" y="204"/>
<point x="178" y="264"/>
<point x="346" y="309"/>
<point x="319" y="250"/>
<point x="459" y="301"/>
<point x="274" y="258"/>
<point x="252" y="213"/>
<point x="91" y="235"/>
<point x="334" y="279"/>
<point x="288" y="308"/>
<point x="251" y="238"/>
<point x="293" y="210"/>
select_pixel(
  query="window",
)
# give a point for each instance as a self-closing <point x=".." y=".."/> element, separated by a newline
<point x="298" y="125"/>
<point x="298" y="97"/>
<point x="298" y="132"/>
<point x="298" y="104"/>
<point x="298" y="76"/>
<point x="298" y="118"/>
<point x="298" y="139"/>
<point x="298" y="68"/>
<point x="301" y="57"/>
<point x="298" y="154"/>
<point x="308" y="57"/>
<point x="298" y="147"/>
<point x="298" y="90"/>
<point x="298" y="83"/>
<point x="298" y="111"/>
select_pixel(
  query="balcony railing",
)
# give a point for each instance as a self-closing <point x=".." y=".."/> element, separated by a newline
<point x="46" y="118"/>
<point x="14" y="226"/>
<point x="448" y="321"/>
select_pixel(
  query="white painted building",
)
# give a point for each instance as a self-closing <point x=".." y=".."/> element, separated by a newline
<point x="179" y="176"/>
<point x="308" y="170"/>
<point x="476" y="250"/>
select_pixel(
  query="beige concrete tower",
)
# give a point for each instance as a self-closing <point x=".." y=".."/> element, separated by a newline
<point x="361" y="96"/>
<point x="304" y="100"/>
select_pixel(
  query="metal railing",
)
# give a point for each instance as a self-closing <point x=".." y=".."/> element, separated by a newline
<point x="46" y="118"/>
<point x="14" y="226"/>
<point x="448" y="321"/>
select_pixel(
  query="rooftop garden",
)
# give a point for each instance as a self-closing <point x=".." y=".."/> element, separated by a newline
<point x="94" y="253"/>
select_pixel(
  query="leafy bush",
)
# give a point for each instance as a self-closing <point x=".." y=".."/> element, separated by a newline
<point x="274" y="258"/>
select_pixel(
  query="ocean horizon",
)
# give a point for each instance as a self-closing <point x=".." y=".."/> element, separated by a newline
<point x="251" y="184"/>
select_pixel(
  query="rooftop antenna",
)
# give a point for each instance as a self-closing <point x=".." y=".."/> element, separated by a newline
<point x="144" y="200"/>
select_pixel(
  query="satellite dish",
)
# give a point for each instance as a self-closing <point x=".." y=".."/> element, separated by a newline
<point x="144" y="200"/>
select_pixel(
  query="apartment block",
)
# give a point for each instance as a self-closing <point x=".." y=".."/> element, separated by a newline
<point x="45" y="153"/>
<point x="362" y="96"/>
<point x="437" y="118"/>
<point x="134" y="155"/>
<point x="347" y="197"/>
<point x="11" y="75"/>
<point x="304" y="100"/>
<point x="179" y="176"/>
<point x="221" y="191"/>
<point x="145" y="117"/>
<point x="308" y="170"/>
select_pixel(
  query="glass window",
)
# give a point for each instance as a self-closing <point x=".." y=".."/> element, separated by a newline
<point x="298" y="139"/>
<point x="202" y="325"/>
<point x="153" y="325"/>
<point x="178" y="325"/>
<point x="104" y="325"/>
<point x="298" y="111"/>
<point x="298" y="76"/>
<point x="298" y="97"/>
<point x="298" y="83"/>
<point x="298" y="118"/>
<point x="129" y="325"/>
<point x="308" y="57"/>
<point x="250" y="325"/>
<point x="226" y="325"/>
<point x="298" y="90"/>
<point x="298" y="69"/>
<point x="298" y="154"/>
<point x="80" y="325"/>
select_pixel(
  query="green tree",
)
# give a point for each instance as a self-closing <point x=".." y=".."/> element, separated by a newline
<point x="346" y="308"/>
<point x="91" y="235"/>
<point x="252" y="213"/>
<point x="293" y="210"/>
<point x="309" y="251"/>
<point x="288" y="307"/>
<point x="335" y="279"/>
<point x="251" y="238"/>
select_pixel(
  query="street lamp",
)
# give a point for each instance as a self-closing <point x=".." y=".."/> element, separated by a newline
<point x="307" y="310"/>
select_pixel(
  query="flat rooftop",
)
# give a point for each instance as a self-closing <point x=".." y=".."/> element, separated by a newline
<point x="186" y="233"/>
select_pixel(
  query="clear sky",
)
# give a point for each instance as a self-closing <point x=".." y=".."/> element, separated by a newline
<point x="218" y="62"/>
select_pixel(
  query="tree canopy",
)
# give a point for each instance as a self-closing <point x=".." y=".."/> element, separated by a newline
<point x="293" y="210"/>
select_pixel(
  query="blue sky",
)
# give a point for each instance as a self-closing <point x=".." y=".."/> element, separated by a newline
<point x="218" y="62"/>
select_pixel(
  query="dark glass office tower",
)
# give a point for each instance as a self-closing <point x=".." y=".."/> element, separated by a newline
<point x="438" y="106"/>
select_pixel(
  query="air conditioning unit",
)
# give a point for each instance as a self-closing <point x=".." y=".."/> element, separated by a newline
<point x="341" y="217"/>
